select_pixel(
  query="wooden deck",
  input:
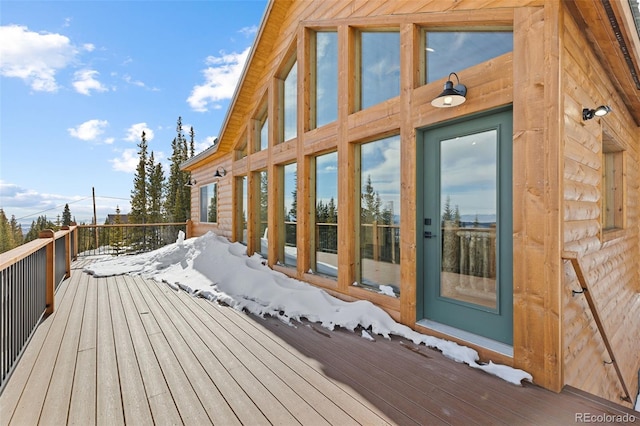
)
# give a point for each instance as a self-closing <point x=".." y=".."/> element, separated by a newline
<point x="128" y="350"/>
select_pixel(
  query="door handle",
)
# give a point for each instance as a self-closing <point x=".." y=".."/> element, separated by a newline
<point x="429" y="234"/>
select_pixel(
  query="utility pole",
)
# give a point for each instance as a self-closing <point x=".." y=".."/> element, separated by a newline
<point x="95" y="216"/>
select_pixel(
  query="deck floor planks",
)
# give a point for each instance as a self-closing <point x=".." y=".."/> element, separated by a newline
<point x="173" y="355"/>
<point x="82" y="408"/>
<point x="108" y="397"/>
<point x="339" y="406"/>
<point x="261" y="396"/>
<point x="135" y="404"/>
<point x="115" y="337"/>
<point x="189" y="350"/>
<point x="239" y="402"/>
<point x="56" y="404"/>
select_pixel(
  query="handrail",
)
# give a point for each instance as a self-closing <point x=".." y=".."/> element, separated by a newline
<point x="584" y="284"/>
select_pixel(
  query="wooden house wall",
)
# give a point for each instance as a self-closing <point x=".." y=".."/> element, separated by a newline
<point x="556" y="167"/>
<point x="610" y="262"/>
<point x="204" y="176"/>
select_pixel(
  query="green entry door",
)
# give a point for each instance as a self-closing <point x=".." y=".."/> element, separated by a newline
<point x="467" y="227"/>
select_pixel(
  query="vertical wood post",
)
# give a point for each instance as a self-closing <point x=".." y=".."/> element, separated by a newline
<point x="67" y="250"/>
<point x="50" y="270"/>
<point x="189" y="229"/>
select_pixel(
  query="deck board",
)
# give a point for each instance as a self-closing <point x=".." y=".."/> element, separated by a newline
<point x="125" y="350"/>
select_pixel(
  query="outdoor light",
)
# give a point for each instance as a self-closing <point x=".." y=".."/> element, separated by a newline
<point x="451" y="96"/>
<point x="220" y="172"/>
<point x="601" y="111"/>
<point x="190" y="182"/>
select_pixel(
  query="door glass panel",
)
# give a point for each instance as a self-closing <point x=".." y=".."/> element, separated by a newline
<point x="468" y="191"/>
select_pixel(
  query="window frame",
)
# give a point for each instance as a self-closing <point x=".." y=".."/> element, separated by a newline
<point x="215" y="197"/>
<point x="613" y="187"/>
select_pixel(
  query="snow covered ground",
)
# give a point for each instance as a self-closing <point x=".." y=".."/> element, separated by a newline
<point x="212" y="267"/>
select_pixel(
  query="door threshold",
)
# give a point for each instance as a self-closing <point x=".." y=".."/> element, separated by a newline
<point x="492" y="345"/>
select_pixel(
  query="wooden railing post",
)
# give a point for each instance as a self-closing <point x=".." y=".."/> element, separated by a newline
<point x="189" y="229"/>
<point x="67" y="249"/>
<point x="51" y="270"/>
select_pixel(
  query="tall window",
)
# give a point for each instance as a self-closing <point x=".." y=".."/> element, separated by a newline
<point x="613" y="206"/>
<point x="264" y="132"/>
<point x="324" y="78"/>
<point x="379" y="67"/>
<point x="241" y="205"/>
<point x="264" y="212"/>
<point x="379" y="254"/>
<point x="289" y="255"/>
<point x="448" y="52"/>
<point x="326" y="217"/>
<point x="290" y="104"/>
<point x="209" y="203"/>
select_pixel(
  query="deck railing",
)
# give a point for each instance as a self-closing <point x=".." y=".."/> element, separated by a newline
<point x="31" y="273"/>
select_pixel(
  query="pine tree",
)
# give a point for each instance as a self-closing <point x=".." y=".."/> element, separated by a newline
<point x="16" y="231"/>
<point x="178" y="201"/>
<point x="370" y="204"/>
<point x="6" y="237"/>
<point x="66" y="215"/>
<point x="37" y="226"/>
<point x="115" y="239"/>
<point x="192" y="142"/>
<point x="139" y="194"/>
<point x="155" y="190"/>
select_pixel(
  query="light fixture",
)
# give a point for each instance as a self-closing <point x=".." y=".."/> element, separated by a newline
<point x="220" y="171"/>
<point x="190" y="182"/>
<point x="451" y="96"/>
<point x="601" y="111"/>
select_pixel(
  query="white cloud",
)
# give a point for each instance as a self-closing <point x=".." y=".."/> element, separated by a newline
<point x="89" y="47"/>
<point x="34" y="57"/>
<point x="127" y="162"/>
<point x="134" y="133"/>
<point x="221" y="78"/>
<point x="129" y="80"/>
<point x="248" y="31"/>
<point x="85" y="81"/>
<point x="89" y="130"/>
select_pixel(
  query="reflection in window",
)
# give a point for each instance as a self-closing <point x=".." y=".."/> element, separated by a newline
<point x="290" y="104"/>
<point x="264" y="212"/>
<point x="325" y="77"/>
<point x="241" y="213"/>
<point x="290" y="210"/>
<point x="613" y="206"/>
<point x="380" y="216"/>
<point x="264" y="133"/>
<point x="209" y="203"/>
<point x="379" y="67"/>
<point x="469" y="206"/>
<point x="454" y="51"/>
<point x="326" y="217"/>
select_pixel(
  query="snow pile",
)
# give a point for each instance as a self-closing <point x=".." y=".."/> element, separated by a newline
<point x="212" y="267"/>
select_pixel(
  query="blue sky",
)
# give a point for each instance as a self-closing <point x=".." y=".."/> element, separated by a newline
<point x="80" y="80"/>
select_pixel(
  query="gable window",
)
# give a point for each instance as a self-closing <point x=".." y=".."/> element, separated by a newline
<point x="379" y="65"/>
<point x="379" y="254"/>
<point x="289" y="104"/>
<point x="613" y="206"/>
<point x="264" y="133"/>
<point x="241" y="149"/>
<point x="448" y="52"/>
<point x="324" y="78"/>
<point x="261" y="129"/>
<point x="209" y="203"/>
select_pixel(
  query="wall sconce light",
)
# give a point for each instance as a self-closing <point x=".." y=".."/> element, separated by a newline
<point x="601" y="111"/>
<point x="451" y="96"/>
<point x="220" y="171"/>
<point x="191" y="182"/>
